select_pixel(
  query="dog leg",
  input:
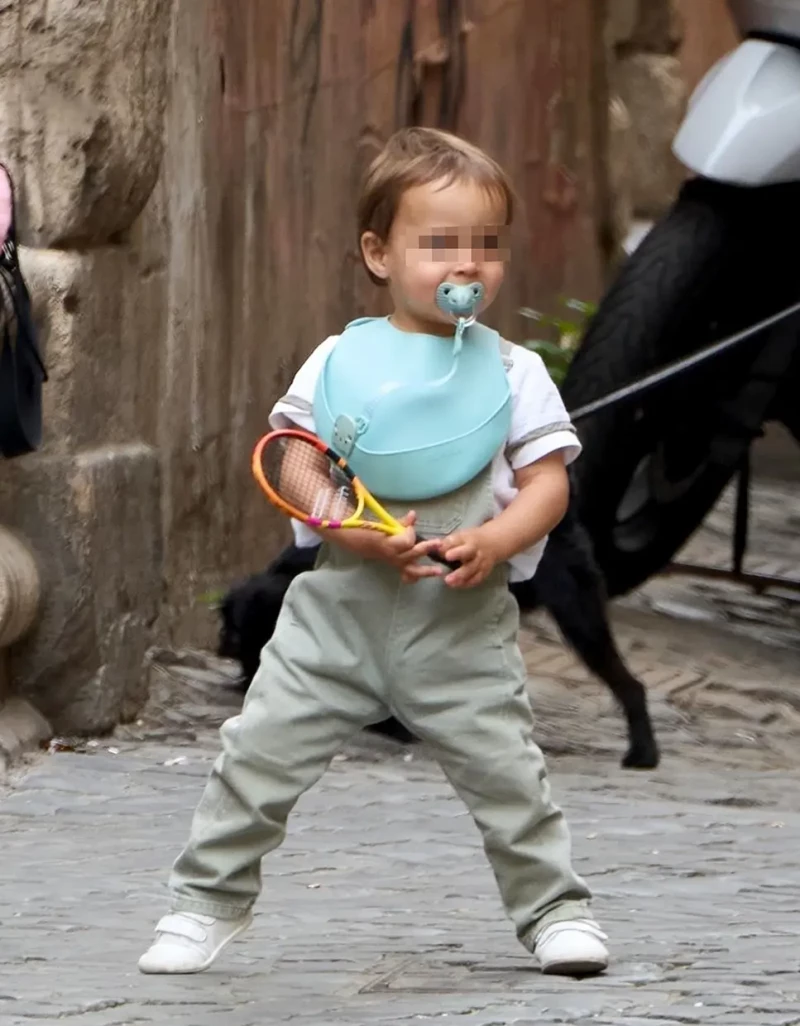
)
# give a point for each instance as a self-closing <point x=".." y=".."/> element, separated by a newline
<point x="569" y="585"/>
<point x="250" y="611"/>
<point x="393" y="729"/>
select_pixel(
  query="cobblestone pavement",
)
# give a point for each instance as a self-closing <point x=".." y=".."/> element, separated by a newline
<point x="380" y="908"/>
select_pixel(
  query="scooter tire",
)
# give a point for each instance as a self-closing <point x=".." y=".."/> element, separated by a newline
<point x="652" y="469"/>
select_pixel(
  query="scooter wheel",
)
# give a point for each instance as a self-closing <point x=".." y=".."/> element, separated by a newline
<point x="652" y="469"/>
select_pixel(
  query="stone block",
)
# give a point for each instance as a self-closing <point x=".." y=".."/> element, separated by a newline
<point x="22" y="728"/>
<point x="98" y="322"/>
<point x="19" y="588"/>
<point x="653" y="91"/>
<point x="619" y="167"/>
<point x="645" y="26"/>
<point x="5" y="682"/>
<point x="93" y="522"/>
<point x="621" y="21"/>
<point x="82" y="95"/>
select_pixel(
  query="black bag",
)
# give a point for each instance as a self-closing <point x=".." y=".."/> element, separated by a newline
<point x="22" y="371"/>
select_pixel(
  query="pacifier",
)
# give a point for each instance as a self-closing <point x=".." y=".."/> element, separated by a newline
<point x="460" y="302"/>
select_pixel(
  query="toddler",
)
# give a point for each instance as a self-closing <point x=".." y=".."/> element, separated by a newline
<point x="379" y="628"/>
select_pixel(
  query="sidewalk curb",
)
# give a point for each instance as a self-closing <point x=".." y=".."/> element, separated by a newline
<point x="22" y="728"/>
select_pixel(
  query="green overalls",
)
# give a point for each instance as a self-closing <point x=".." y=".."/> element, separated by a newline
<point x="353" y="643"/>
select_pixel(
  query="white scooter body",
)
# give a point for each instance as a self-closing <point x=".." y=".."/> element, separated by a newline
<point x="742" y="125"/>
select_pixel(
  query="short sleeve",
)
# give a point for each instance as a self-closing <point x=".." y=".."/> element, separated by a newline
<point x="540" y="424"/>
<point x="295" y="408"/>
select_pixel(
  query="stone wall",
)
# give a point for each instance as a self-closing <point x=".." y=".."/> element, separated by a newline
<point x="83" y="88"/>
<point x="646" y="79"/>
<point x="657" y="52"/>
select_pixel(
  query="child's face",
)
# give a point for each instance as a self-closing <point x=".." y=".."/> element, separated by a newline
<point x="452" y="233"/>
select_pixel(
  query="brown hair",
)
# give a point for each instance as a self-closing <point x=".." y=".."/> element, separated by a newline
<point x="419" y="156"/>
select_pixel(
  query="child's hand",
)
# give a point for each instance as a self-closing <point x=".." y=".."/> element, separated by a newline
<point x="403" y="551"/>
<point x="477" y="552"/>
<point x="400" y="550"/>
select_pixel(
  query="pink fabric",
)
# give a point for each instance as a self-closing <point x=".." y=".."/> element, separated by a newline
<point x="5" y="205"/>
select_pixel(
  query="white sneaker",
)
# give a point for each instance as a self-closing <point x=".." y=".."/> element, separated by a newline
<point x="572" y="948"/>
<point x="187" y="942"/>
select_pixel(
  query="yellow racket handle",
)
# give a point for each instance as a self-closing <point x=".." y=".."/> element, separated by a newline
<point x="386" y="523"/>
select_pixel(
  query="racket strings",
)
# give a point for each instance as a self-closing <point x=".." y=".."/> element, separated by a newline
<point x="308" y="480"/>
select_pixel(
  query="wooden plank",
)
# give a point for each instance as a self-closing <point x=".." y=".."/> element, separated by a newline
<point x="262" y="175"/>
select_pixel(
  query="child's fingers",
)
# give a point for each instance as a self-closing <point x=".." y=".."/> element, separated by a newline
<point x="464" y="552"/>
<point x="400" y="544"/>
<point x="424" y="548"/>
<point x="470" y="572"/>
<point x="464" y="577"/>
<point x="416" y="571"/>
<point x="456" y="538"/>
<point x="406" y="539"/>
<point x="458" y="548"/>
<point x="418" y="552"/>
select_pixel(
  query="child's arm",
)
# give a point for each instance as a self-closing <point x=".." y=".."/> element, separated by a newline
<point x="538" y="508"/>
<point x="541" y="443"/>
<point x="532" y="514"/>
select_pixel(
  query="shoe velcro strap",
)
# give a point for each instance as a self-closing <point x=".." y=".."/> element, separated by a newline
<point x="182" y="926"/>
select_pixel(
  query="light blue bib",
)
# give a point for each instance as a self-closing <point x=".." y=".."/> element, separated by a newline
<point x="414" y="417"/>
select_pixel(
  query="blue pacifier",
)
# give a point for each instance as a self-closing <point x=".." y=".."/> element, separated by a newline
<point x="459" y="302"/>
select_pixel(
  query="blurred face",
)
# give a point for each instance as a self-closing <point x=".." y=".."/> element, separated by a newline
<point x="454" y="233"/>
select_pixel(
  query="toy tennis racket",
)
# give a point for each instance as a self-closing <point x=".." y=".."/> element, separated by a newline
<point x="308" y="481"/>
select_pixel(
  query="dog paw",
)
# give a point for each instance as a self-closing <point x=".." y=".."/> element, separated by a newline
<point x="642" y="755"/>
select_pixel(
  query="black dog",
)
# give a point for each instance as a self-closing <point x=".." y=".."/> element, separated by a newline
<point x="249" y="612"/>
<point x="568" y="584"/>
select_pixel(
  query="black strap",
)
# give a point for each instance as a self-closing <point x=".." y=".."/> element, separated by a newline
<point x="22" y="372"/>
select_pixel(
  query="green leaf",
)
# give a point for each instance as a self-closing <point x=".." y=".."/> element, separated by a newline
<point x="545" y="348"/>
<point x="557" y="352"/>
<point x="530" y="313"/>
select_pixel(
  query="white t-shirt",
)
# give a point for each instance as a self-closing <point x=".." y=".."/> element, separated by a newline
<point x="540" y="425"/>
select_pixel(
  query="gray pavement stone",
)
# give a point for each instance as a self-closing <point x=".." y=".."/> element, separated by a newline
<point x="380" y="908"/>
